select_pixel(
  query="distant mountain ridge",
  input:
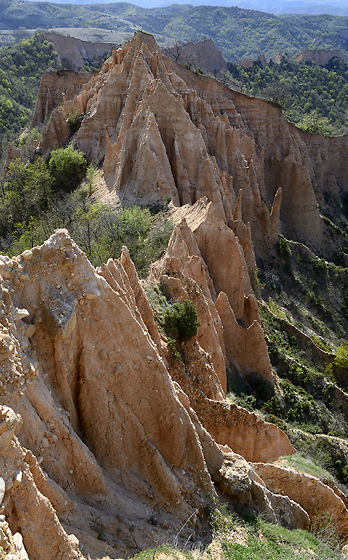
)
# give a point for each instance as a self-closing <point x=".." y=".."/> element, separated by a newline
<point x="237" y="33"/>
<point x="282" y="7"/>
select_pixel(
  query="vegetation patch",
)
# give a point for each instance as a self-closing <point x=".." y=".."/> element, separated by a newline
<point x="40" y="197"/>
<point x="181" y="320"/>
<point x="240" y="535"/>
<point x="313" y="97"/>
<point x="21" y="68"/>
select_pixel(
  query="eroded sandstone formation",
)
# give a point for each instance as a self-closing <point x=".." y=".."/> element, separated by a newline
<point x="55" y="88"/>
<point x="203" y="54"/>
<point x="197" y="138"/>
<point x="319" y="56"/>
<point x="122" y="443"/>
<point x="110" y="429"/>
<point x="73" y="52"/>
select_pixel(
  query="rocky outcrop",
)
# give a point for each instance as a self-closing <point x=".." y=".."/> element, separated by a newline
<point x="316" y="498"/>
<point x="203" y="54"/>
<point x="109" y="430"/>
<point x="321" y="56"/>
<point x="73" y="53"/>
<point x="248" y="62"/>
<point x="55" y="88"/>
<point x="204" y="249"/>
<point x="197" y="138"/>
<point x="13" y="153"/>
<point x="125" y="442"/>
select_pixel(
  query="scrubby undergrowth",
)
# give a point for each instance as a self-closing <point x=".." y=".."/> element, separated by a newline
<point x="41" y="196"/>
<point x="243" y="536"/>
<point x="303" y="308"/>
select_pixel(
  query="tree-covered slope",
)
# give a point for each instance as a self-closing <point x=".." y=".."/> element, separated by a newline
<point x="237" y="32"/>
<point x="312" y="96"/>
<point x="21" y="68"/>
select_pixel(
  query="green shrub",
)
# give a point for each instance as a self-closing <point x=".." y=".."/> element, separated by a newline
<point x="27" y="192"/>
<point x="321" y="343"/>
<point x="74" y="120"/>
<point x="172" y="346"/>
<point x="283" y="247"/>
<point x="341" y="359"/>
<point x="67" y="166"/>
<point x="181" y="320"/>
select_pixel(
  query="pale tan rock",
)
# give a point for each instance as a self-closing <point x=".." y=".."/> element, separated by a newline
<point x="108" y="416"/>
<point x="203" y="54"/>
<point x="82" y="377"/>
<point x="54" y="90"/>
<point x="248" y="62"/>
<point x="73" y="52"/>
<point x="140" y="297"/>
<point x="279" y="509"/>
<point x="319" y="56"/>
<point x="223" y="264"/>
<point x="245" y="348"/>
<point x="221" y="252"/>
<point x="198" y="138"/>
<point x="56" y="132"/>
<point x="13" y="153"/>
<point x="243" y="431"/>
<point x="6" y="346"/>
<point x="315" y="497"/>
<point x="234" y="477"/>
<point x="33" y="514"/>
<point x="10" y="422"/>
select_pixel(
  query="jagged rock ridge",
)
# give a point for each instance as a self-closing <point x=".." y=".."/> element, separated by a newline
<point x="115" y="432"/>
<point x="203" y="54"/>
<point x="198" y="138"/>
<point x="73" y="52"/>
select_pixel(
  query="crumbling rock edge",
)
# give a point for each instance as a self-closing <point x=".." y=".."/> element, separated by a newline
<point x="112" y="436"/>
<point x="121" y="446"/>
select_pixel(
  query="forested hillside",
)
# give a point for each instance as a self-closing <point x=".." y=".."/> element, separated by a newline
<point x="315" y="98"/>
<point x="237" y="32"/>
<point x="21" y="68"/>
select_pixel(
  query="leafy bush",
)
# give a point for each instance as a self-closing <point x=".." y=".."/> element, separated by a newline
<point x="246" y="401"/>
<point x="283" y="247"/>
<point x="27" y="192"/>
<point x="172" y="346"/>
<point x="35" y="203"/>
<point x="311" y="96"/>
<point x="341" y="359"/>
<point x="21" y="68"/>
<point x="181" y="320"/>
<point x="74" y="120"/>
<point x="321" y="343"/>
<point x="67" y="166"/>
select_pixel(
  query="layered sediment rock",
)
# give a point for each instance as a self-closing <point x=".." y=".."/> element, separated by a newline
<point x="55" y="88"/>
<point x="320" y="501"/>
<point x="123" y="444"/>
<point x="319" y="56"/>
<point x="203" y="54"/>
<point x="73" y="52"/>
<point x="109" y="426"/>
<point x="196" y="138"/>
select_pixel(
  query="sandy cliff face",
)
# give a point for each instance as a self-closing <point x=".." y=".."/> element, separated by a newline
<point x="54" y="90"/>
<point x="197" y="138"/>
<point x="111" y="430"/>
<point x="121" y="443"/>
<point x="203" y="54"/>
<point x="73" y="52"/>
<point x="321" y="56"/>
